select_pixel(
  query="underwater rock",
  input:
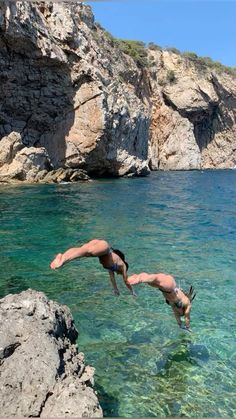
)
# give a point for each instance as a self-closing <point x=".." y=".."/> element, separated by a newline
<point x="199" y="352"/>
<point x="141" y="336"/>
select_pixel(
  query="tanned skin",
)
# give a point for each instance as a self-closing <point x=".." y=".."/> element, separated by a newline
<point x="173" y="295"/>
<point x="102" y="250"/>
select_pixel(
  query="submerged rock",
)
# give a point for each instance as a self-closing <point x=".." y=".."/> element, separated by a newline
<point x="42" y="373"/>
<point x="199" y="352"/>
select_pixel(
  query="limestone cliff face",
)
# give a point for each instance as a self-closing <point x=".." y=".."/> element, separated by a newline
<point x="71" y="100"/>
<point x="193" y="114"/>
<point x="62" y="90"/>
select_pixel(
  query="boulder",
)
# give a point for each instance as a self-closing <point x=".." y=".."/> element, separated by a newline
<point x="42" y="372"/>
<point x="9" y="146"/>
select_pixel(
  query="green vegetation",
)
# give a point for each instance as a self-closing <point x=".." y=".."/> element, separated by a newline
<point x="136" y="50"/>
<point x="208" y="62"/>
<point x="191" y="55"/>
<point x="151" y="61"/>
<point x="154" y="47"/>
<point x="174" y="50"/>
<point x="107" y="34"/>
<point x="170" y="76"/>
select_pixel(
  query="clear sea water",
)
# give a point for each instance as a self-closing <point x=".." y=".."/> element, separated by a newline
<point x="182" y="223"/>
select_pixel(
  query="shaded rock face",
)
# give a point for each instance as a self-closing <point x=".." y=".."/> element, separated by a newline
<point x="62" y="91"/>
<point x="31" y="164"/>
<point x="42" y="373"/>
<point x="18" y="162"/>
<point x="193" y="115"/>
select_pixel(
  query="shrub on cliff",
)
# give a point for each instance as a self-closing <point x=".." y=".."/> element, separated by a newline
<point x="154" y="47"/>
<point x="136" y="50"/>
<point x="107" y="34"/>
<point x="174" y="50"/>
<point x="208" y="62"/>
<point x="170" y="76"/>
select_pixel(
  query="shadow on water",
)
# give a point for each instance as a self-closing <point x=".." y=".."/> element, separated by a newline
<point x="183" y="351"/>
<point x="109" y="403"/>
<point x="141" y="336"/>
<point x="174" y="371"/>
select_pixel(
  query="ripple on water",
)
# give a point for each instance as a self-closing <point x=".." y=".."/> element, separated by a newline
<point x="181" y="223"/>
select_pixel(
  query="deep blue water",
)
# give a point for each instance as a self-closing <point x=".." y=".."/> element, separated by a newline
<point x="182" y="223"/>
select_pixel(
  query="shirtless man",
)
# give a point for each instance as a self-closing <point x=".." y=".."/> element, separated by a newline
<point x="111" y="259"/>
<point x="179" y="300"/>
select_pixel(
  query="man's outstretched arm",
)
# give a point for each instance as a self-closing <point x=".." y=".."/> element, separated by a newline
<point x="177" y="316"/>
<point x="114" y="284"/>
<point x="187" y="317"/>
<point x="125" y="278"/>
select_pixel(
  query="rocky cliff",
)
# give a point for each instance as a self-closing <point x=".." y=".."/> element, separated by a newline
<point x="42" y="373"/>
<point x="72" y="100"/>
<point x="66" y="95"/>
<point x="193" y="114"/>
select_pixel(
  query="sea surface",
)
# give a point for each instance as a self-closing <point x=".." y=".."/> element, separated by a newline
<point x="182" y="223"/>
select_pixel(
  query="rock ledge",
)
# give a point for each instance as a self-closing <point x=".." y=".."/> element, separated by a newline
<point x="42" y="373"/>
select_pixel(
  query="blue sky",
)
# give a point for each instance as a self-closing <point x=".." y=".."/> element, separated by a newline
<point x="206" y="27"/>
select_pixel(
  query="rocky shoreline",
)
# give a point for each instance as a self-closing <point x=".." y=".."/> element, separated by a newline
<point x="75" y="103"/>
<point x="42" y="372"/>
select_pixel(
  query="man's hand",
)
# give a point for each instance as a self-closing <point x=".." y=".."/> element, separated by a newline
<point x="133" y="279"/>
<point x="185" y="328"/>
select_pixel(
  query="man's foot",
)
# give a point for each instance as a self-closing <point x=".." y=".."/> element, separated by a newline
<point x="57" y="262"/>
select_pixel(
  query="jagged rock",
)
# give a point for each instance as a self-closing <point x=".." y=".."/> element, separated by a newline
<point x="40" y="176"/>
<point x="79" y="175"/>
<point x="193" y="116"/>
<point x="167" y="152"/>
<point x="9" y="146"/>
<point x="58" y="175"/>
<point x="62" y="175"/>
<point x="20" y="162"/>
<point x="65" y="91"/>
<point x="42" y="373"/>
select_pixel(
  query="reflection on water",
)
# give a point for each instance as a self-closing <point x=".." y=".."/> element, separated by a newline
<point x="180" y="223"/>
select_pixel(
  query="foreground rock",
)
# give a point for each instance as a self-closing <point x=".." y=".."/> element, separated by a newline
<point x="42" y="373"/>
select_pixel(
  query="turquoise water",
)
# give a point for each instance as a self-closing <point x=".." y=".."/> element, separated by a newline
<point x="183" y="223"/>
